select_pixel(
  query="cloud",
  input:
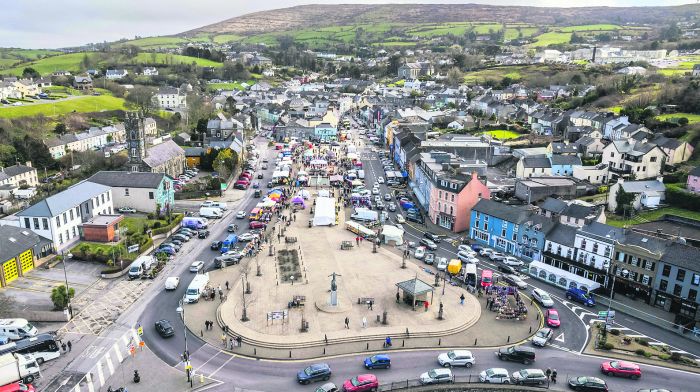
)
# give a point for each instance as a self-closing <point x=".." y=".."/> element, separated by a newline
<point x="52" y="23"/>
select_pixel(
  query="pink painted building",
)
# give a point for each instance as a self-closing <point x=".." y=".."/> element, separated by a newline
<point x="693" y="184"/>
<point x="452" y="199"/>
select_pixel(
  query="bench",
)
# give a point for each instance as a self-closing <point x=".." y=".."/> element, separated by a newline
<point x="299" y="298"/>
<point x="290" y="240"/>
<point x="346" y="245"/>
<point x="298" y="301"/>
<point x="365" y="300"/>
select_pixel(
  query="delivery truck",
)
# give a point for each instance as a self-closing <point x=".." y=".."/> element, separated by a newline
<point x="469" y="274"/>
<point x="365" y="215"/>
<point x="18" y="368"/>
<point x="195" y="222"/>
<point x="140" y="266"/>
<point x="211" y="212"/>
<point x="196" y="287"/>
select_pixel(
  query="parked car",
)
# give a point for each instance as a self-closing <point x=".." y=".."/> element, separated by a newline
<point x="169" y="245"/>
<point x="215" y="245"/>
<point x="361" y="383"/>
<point x="542" y="297"/>
<point x="181" y="237"/>
<point x="327" y="387"/>
<point x="256" y="225"/>
<point x="486" y="252"/>
<point x="551" y="317"/>
<point x="164" y="328"/>
<point x="127" y="210"/>
<point x="467" y="258"/>
<point x="477" y="248"/>
<point x="229" y="258"/>
<point x="587" y="384"/>
<point x="231" y="228"/>
<point x="419" y="253"/>
<point x="523" y="354"/>
<point x="247" y="237"/>
<point x="466" y="249"/>
<point x="441" y="263"/>
<point x="428" y="244"/>
<point x="167" y="250"/>
<point x="381" y="361"/>
<point x="496" y="256"/>
<point x="400" y="218"/>
<point x="506" y="269"/>
<point x="456" y="358"/>
<point x="429" y="258"/>
<point x="188" y="232"/>
<point x="316" y="372"/>
<point x="391" y="207"/>
<point x="529" y="377"/>
<point x="578" y="295"/>
<point x="196" y="266"/>
<point x="512" y="261"/>
<point x="436" y="376"/>
<point x="380" y="180"/>
<point x="621" y="369"/>
<point x="495" y="376"/>
<point x="515" y="280"/>
<point x="542" y="336"/>
<point x="432" y="236"/>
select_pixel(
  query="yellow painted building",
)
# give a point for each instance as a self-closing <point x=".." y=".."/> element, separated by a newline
<point x="17" y="250"/>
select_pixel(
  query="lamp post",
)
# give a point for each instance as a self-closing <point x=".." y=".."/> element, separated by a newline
<point x="623" y="273"/>
<point x="65" y="277"/>
<point x="186" y="355"/>
<point x="244" y="316"/>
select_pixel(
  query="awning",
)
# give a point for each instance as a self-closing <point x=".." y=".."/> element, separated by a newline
<point x="560" y="277"/>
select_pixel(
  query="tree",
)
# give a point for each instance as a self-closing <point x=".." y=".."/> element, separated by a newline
<point x="60" y="129"/>
<point x="624" y="201"/>
<point x="60" y="297"/>
<point x="394" y="63"/>
<point x="7" y="155"/>
<point x="224" y="163"/>
<point x="30" y="72"/>
<point x="231" y="105"/>
<point x="142" y="98"/>
<point x="455" y="77"/>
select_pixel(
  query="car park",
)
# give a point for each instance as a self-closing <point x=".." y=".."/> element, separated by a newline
<point x="512" y="261"/>
<point x="428" y="244"/>
<point x="516" y="354"/>
<point x="551" y="318"/>
<point x="126" y="210"/>
<point x="196" y="266"/>
<point x="316" y="372"/>
<point x="529" y="377"/>
<point x="361" y="383"/>
<point x="419" y="253"/>
<point x="215" y="245"/>
<point x="164" y="328"/>
<point x="542" y="297"/>
<point x="441" y="263"/>
<point x="436" y="376"/>
<point x="579" y="295"/>
<point x="621" y="369"/>
<point x="172" y="282"/>
<point x="456" y="358"/>
<point x="515" y="280"/>
<point x="495" y="376"/>
<point x="542" y="336"/>
<point x="203" y="234"/>
<point x="587" y="384"/>
<point x="379" y="361"/>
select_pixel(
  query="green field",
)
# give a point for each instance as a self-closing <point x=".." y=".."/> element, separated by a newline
<point x="228" y="86"/>
<point x="68" y="62"/>
<point x="225" y="38"/>
<point x="516" y="73"/>
<point x="84" y="104"/>
<point x="618" y="221"/>
<point x="591" y="27"/>
<point x="502" y="134"/>
<point x="552" y="38"/>
<point x="514" y="33"/>
<point x="164" y="58"/>
<point x="692" y="118"/>
<point x="155" y="42"/>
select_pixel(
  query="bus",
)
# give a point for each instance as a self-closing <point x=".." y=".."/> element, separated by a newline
<point x="255" y="214"/>
<point x="228" y="243"/>
<point x="486" y="278"/>
<point x="44" y="347"/>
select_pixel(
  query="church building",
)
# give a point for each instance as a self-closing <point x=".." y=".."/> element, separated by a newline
<point x="166" y="157"/>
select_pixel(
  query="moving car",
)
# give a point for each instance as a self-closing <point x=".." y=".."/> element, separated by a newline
<point x="172" y="282"/>
<point x="515" y="280"/>
<point x="387" y="197"/>
<point x="529" y="377"/>
<point x="203" y="234"/>
<point x="428" y="243"/>
<point x="578" y="295"/>
<point x="196" y="266"/>
<point x="551" y="317"/>
<point x="512" y="261"/>
<point x="456" y="358"/>
<point x="523" y="354"/>
<point x="621" y="369"/>
<point x="215" y="245"/>
<point x="125" y="210"/>
<point x="433" y="237"/>
<point x="587" y="383"/>
<point x="419" y="253"/>
<point x="381" y="361"/>
<point x="164" y="328"/>
<point x="361" y="383"/>
<point x="380" y="180"/>
<point x="231" y="228"/>
<point x="400" y="218"/>
<point x="495" y="376"/>
<point x="315" y="372"/>
<point x="442" y="263"/>
<point x="391" y="207"/>
<point x="542" y="297"/>
<point x="240" y="215"/>
<point x="542" y="337"/>
<point x="256" y="225"/>
<point x="436" y="376"/>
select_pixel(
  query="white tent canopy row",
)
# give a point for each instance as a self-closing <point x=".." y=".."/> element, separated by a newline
<point x="324" y="214"/>
<point x="564" y="279"/>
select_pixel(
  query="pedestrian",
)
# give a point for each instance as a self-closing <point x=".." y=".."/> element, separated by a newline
<point x="426" y="304"/>
<point x="488" y="302"/>
<point x="63" y="346"/>
<point x="554" y="376"/>
<point x="398" y="297"/>
<point x="347" y="322"/>
<point x="364" y="322"/>
<point x="361" y="239"/>
<point x="227" y="288"/>
<point x="230" y="344"/>
<point x="461" y="299"/>
<point x="206" y="324"/>
<point x="239" y="340"/>
<point x="70" y="346"/>
<point x="357" y="241"/>
<point x="548" y="373"/>
<point x="223" y="340"/>
<point x="370" y="303"/>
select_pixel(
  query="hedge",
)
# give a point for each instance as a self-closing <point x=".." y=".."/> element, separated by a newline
<point x="679" y="197"/>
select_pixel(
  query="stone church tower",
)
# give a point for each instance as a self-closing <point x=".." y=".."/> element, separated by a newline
<point x="135" y="142"/>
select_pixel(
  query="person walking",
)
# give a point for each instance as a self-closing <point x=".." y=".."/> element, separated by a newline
<point x="63" y="346"/>
<point x="227" y="288"/>
<point x="347" y="322"/>
<point x="369" y="304"/>
<point x="398" y="297"/>
<point x="364" y="322"/>
<point x="554" y="376"/>
<point x="223" y="340"/>
<point x="488" y="302"/>
<point x="70" y="346"/>
<point x="357" y="240"/>
<point x="426" y="304"/>
<point x="548" y="373"/>
<point x="461" y="299"/>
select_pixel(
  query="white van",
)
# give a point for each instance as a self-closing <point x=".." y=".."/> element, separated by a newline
<point x="211" y="212"/>
<point x="219" y="204"/>
<point x="15" y="329"/>
<point x="365" y="215"/>
<point x="361" y="174"/>
<point x="196" y="288"/>
<point x="140" y="266"/>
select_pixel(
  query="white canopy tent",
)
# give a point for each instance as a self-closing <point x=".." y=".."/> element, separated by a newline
<point x="564" y="279"/>
<point x="392" y="234"/>
<point x="323" y="193"/>
<point x="324" y="214"/>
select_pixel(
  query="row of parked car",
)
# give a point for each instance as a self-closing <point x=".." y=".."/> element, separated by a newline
<point x="173" y="244"/>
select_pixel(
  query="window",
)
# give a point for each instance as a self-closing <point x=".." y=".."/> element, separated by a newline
<point x="102" y="198"/>
<point x="677" y="290"/>
<point x="559" y="250"/>
<point x="607" y="251"/>
<point x="680" y="275"/>
<point x="46" y="223"/>
<point x="107" y="196"/>
<point x="451" y="208"/>
<point x="67" y="235"/>
<point x="692" y="294"/>
<point x="75" y="229"/>
<point x="569" y="253"/>
<point x="126" y="191"/>
<point x="583" y="244"/>
<point x="440" y="195"/>
<point x="58" y="222"/>
<point x="653" y="159"/>
<point x="503" y="232"/>
<point x="26" y="223"/>
<point x="60" y="238"/>
<point x="634" y="261"/>
<point x="36" y="223"/>
<point x="645" y="279"/>
<point x="666" y="271"/>
<point x="65" y="219"/>
<point x="648" y="265"/>
<point x="452" y="198"/>
<point x="663" y="285"/>
<point x="612" y="155"/>
<point x="549" y="247"/>
<point x="696" y="279"/>
<point x="71" y="215"/>
<point x="150" y="195"/>
<point x="478" y="215"/>
<point x="595" y="247"/>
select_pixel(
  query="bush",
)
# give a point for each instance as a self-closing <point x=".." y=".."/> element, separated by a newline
<point x="60" y="297"/>
<point x="664" y="357"/>
<point x="643" y="342"/>
<point x="156" y="224"/>
<point x="608" y="346"/>
<point x="615" y="332"/>
<point x="675" y="356"/>
<point x="647" y="354"/>
<point x="640" y="351"/>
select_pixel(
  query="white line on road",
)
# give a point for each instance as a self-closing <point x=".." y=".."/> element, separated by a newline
<point x="220" y="367"/>
<point x="210" y="358"/>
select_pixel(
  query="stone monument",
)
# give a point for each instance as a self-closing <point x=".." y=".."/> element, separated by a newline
<point x="334" y="290"/>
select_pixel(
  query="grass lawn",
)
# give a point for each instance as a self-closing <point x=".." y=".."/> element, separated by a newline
<point x="616" y="220"/>
<point x="591" y="27"/>
<point x="502" y="134"/>
<point x="614" y="109"/>
<point x="84" y="104"/>
<point x="228" y="86"/>
<point x="692" y="118"/>
<point x="515" y="33"/>
<point x="68" y="62"/>
<point x="552" y="38"/>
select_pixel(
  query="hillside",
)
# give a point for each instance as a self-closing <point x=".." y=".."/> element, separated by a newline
<point x="315" y="16"/>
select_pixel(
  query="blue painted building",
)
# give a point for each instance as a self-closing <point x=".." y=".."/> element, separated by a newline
<point x="563" y="165"/>
<point x="326" y="132"/>
<point x="531" y="236"/>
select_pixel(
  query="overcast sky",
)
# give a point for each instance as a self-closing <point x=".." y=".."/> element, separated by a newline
<point x="60" y="23"/>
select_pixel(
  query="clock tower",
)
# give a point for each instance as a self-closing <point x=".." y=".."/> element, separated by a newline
<point x="135" y="142"/>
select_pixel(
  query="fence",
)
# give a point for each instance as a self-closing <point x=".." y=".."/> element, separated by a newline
<point x="458" y="383"/>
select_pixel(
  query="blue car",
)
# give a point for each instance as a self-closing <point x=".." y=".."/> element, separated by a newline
<point x="315" y="372"/>
<point x="476" y="247"/>
<point x="578" y="295"/>
<point x="379" y="361"/>
<point x="166" y="250"/>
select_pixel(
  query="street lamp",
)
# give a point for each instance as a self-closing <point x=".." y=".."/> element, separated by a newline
<point x="624" y="274"/>
<point x="65" y="276"/>
<point x="186" y="355"/>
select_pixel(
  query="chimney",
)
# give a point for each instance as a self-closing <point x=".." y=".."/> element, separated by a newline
<point x="660" y="179"/>
<point x="620" y="180"/>
<point x="28" y="163"/>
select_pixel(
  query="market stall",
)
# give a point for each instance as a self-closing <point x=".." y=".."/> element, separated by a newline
<point x="324" y="211"/>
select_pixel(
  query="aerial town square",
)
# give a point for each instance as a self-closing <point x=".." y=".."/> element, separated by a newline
<point x="372" y="196"/>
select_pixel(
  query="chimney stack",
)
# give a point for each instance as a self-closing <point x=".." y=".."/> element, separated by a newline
<point x="28" y="163"/>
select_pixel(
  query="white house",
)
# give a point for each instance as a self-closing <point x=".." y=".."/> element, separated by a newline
<point x="143" y="191"/>
<point x="150" y="71"/>
<point x="115" y="74"/>
<point x="647" y="194"/>
<point x="59" y="217"/>
<point x="170" y="98"/>
<point x="629" y="157"/>
<point x="597" y="174"/>
<point x="18" y="175"/>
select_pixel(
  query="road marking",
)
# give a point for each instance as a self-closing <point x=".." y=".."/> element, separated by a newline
<point x="118" y="353"/>
<point x="100" y="374"/>
<point x="108" y="359"/>
<point x="560" y="338"/>
<point x="210" y="358"/>
<point x="220" y="367"/>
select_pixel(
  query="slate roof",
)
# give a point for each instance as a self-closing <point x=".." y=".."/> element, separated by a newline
<point x="415" y="286"/>
<point x="158" y="155"/>
<point x="554" y="205"/>
<point x="650" y="243"/>
<point x="578" y="211"/>
<point x="565" y="160"/>
<point x="642" y="186"/>
<point x="695" y="172"/>
<point x="127" y="179"/>
<point x="194" y="151"/>
<point x="63" y="201"/>
<point x="562" y="234"/>
<point x="515" y="214"/>
<point x="15" y="240"/>
<point x="14" y="170"/>
<point x="561" y="148"/>
<point x="603" y="231"/>
<point x="536" y="162"/>
<point x="684" y="256"/>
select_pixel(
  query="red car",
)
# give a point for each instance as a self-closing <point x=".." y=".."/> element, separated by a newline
<point x="17" y="387"/>
<point x="621" y="368"/>
<point x="363" y="382"/>
<point x="551" y="316"/>
<point x="256" y="225"/>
